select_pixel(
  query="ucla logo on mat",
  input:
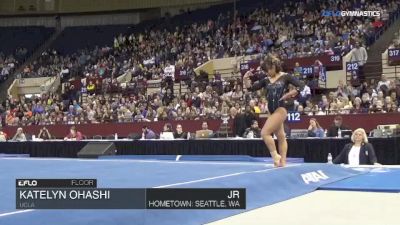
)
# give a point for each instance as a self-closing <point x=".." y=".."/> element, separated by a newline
<point x="314" y="176"/>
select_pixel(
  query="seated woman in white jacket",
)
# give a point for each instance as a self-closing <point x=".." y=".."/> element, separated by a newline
<point x="360" y="152"/>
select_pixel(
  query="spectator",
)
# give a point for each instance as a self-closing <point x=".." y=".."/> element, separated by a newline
<point x="91" y="87"/>
<point x="315" y="130"/>
<point x="359" y="55"/>
<point x="360" y="152"/>
<point x="253" y="107"/>
<point x="38" y="108"/>
<point x="3" y="135"/>
<point x="19" y="135"/>
<point x="254" y="131"/>
<point x="377" y="107"/>
<point x="148" y="133"/>
<point x="74" y="135"/>
<point x="167" y="132"/>
<point x="305" y="95"/>
<point x="239" y="123"/>
<point x="388" y="101"/>
<point x="297" y="71"/>
<point x="44" y="134"/>
<point x="393" y="96"/>
<point x="342" y="89"/>
<point x="204" y="132"/>
<point x="357" y="106"/>
<point x="318" y="72"/>
<point x="238" y="94"/>
<point x="338" y="125"/>
<point x="249" y="115"/>
<point x="167" y="127"/>
<point x="263" y="105"/>
<point x="390" y="108"/>
<point x="383" y="84"/>
<point x="179" y="134"/>
<point x="300" y="109"/>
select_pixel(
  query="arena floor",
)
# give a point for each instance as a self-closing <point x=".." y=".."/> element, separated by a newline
<point x="325" y="207"/>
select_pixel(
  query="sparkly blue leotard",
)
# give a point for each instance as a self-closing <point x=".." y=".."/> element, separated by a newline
<point x="276" y="90"/>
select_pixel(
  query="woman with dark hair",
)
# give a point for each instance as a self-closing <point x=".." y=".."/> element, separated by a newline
<point x="276" y="84"/>
<point x="44" y="134"/>
<point x="167" y="128"/>
<point x="74" y="135"/>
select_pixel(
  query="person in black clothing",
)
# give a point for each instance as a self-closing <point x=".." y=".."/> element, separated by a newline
<point x="179" y="134"/>
<point x="360" y="152"/>
<point x="249" y="116"/>
<point x="44" y="134"/>
<point x="338" y="124"/>
<point x="254" y="131"/>
<point x="242" y="121"/>
<point x="168" y="97"/>
<point x="239" y="124"/>
<point x="276" y="84"/>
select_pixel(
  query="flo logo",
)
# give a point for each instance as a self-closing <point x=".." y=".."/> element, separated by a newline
<point x="25" y="183"/>
<point x="331" y="13"/>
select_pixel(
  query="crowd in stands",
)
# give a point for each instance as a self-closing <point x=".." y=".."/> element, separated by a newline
<point x="374" y="98"/>
<point x="202" y="103"/>
<point x="17" y="43"/>
<point x="7" y="66"/>
<point x="296" y="30"/>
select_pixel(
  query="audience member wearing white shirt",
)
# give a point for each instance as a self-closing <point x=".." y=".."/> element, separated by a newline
<point x="359" y="54"/>
<point x="19" y="135"/>
<point x="169" y="71"/>
<point x="306" y="91"/>
<point x="383" y="82"/>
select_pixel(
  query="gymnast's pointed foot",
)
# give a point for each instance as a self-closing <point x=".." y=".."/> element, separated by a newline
<point x="277" y="160"/>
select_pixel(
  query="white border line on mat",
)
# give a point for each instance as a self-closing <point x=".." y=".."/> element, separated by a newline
<point x="222" y="176"/>
<point x="16" y="212"/>
<point x="144" y="161"/>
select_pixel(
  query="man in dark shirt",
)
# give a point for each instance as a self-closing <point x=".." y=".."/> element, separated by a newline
<point x="254" y="131"/>
<point x="338" y="124"/>
<point x="179" y="134"/>
<point x="243" y="120"/>
<point x="239" y="124"/>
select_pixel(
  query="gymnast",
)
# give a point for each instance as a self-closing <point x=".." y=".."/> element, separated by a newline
<point x="276" y="84"/>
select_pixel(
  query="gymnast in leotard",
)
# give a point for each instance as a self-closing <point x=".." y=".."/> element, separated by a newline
<point x="276" y="83"/>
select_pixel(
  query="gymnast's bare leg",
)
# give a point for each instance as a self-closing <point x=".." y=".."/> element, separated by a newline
<point x="282" y="145"/>
<point x="273" y="125"/>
